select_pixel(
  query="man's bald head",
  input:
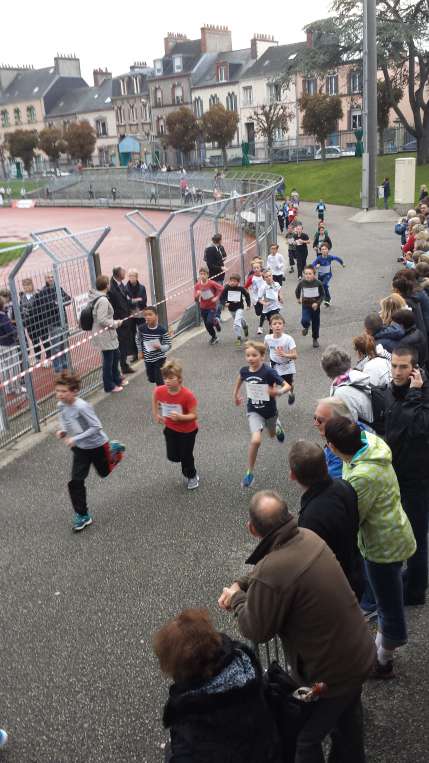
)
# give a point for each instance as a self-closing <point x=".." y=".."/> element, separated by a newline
<point x="268" y="510"/>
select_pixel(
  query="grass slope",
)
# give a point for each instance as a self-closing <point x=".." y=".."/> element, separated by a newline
<point x="16" y="185"/>
<point x="6" y="257"/>
<point x="338" y="181"/>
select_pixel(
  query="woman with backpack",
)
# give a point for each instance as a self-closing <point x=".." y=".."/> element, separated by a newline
<point x="105" y="337"/>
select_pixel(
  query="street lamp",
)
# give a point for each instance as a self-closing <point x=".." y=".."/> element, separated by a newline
<point x="369" y="113"/>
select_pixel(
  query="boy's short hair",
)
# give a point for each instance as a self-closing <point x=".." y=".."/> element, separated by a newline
<point x="235" y="277"/>
<point x="69" y="380"/>
<point x="324" y="245"/>
<point x="310" y="267"/>
<point x="277" y="317"/>
<point x="203" y="269"/>
<point x="258" y="346"/>
<point x="276" y="246"/>
<point x="150" y="309"/>
<point x="267" y="270"/>
<point x="27" y="281"/>
<point x="101" y="283"/>
<point x="172" y="367"/>
<point x="217" y="238"/>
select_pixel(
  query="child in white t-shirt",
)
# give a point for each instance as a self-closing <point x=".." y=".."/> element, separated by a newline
<point x="269" y="297"/>
<point x="282" y="350"/>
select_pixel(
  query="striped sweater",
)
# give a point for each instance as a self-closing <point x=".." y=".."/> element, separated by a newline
<point x="145" y="339"/>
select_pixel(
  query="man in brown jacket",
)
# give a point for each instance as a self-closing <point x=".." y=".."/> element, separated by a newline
<point x="298" y="591"/>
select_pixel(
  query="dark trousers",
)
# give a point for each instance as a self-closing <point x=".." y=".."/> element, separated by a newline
<point x="82" y="460"/>
<point x="209" y="317"/>
<point x="153" y="372"/>
<point x="281" y="222"/>
<point x="301" y="261"/>
<point x="325" y="281"/>
<point x="311" y="316"/>
<point x="124" y="346"/>
<point x="180" y="449"/>
<point x="220" y="279"/>
<point x="291" y="255"/>
<point x="111" y="373"/>
<point x="267" y="316"/>
<point x="342" y="718"/>
<point x="415" y="500"/>
<point x="386" y="584"/>
<point x="278" y="279"/>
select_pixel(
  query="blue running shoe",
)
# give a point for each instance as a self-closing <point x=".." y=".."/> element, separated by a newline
<point x="247" y="479"/>
<point x="116" y="447"/>
<point x="3" y="738"/>
<point x="80" y="521"/>
<point x="280" y="432"/>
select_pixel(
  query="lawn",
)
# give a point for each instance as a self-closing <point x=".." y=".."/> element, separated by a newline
<point x="16" y="185"/>
<point x="6" y="257"/>
<point x="337" y="181"/>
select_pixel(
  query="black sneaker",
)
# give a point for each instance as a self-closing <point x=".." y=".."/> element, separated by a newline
<point x="414" y="601"/>
<point x="291" y="270"/>
<point x="213" y="340"/>
<point x="316" y="343"/>
<point x="383" y="672"/>
<point x="291" y="398"/>
<point x="304" y="332"/>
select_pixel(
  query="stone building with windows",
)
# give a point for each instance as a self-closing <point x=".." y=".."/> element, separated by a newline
<point x="131" y="102"/>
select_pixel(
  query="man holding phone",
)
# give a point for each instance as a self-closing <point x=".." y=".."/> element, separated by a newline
<point x="407" y="434"/>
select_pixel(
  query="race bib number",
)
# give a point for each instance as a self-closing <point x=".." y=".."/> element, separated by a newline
<point x="168" y="408"/>
<point x="271" y="294"/>
<point x="257" y="393"/>
<point x="207" y="294"/>
<point x="151" y="346"/>
<point x="234" y="296"/>
<point x="310" y="292"/>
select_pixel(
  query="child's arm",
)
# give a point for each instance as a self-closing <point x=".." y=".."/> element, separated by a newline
<point x="165" y="342"/>
<point x="337" y="259"/>
<point x="94" y="425"/>
<point x="191" y="416"/>
<point x="224" y="295"/>
<point x="298" y="291"/>
<point x="139" y="343"/>
<point x="248" y="281"/>
<point x="246" y="296"/>
<point x="155" y="409"/>
<point x="237" y="397"/>
<point x="316" y="263"/>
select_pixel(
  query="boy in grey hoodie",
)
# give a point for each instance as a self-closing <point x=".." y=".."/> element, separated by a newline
<point x="81" y="430"/>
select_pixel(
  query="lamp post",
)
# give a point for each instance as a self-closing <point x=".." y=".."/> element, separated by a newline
<point x="369" y="113"/>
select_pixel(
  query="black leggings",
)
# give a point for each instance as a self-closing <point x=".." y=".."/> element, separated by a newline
<point x="180" y="449"/>
<point x="100" y="458"/>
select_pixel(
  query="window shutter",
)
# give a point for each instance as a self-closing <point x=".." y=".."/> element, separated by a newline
<point x="336" y="84"/>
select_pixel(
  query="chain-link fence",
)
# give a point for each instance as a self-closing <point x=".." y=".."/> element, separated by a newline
<point x="42" y="295"/>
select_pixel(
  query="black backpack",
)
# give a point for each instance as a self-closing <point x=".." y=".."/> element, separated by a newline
<point x="378" y="403"/>
<point x="86" y="318"/>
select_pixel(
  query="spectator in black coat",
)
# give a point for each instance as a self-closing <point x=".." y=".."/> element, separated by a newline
<point x="413" y="337"/>
<point x="138" y="299"/>
<point x="216" y="710"/>
<point x="214" y="257"/>
<point x="48" y="322"/>
<point x="121" y="303"/>
<point x="329" y="508"/>
<point x="402" y="285"/>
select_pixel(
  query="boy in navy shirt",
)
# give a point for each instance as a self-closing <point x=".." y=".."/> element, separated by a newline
<point x="263" y="385"/>
<point x="153" y="343"/>
<point x="323" y="263"/>
<point x="235" y="296"/>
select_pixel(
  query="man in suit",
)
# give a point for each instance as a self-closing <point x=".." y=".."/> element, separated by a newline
<point x="215" y="257"/>
<point x="121" y="304"/>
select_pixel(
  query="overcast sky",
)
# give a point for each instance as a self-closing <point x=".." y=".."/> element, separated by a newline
<point x="115" y="35"/>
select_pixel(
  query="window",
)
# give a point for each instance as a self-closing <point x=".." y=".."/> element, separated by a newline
<point x="160" y="122"/>
<point x="17" y="116"/>
<point x="119" y="115"/>
<point x="356" y="82"/>
<point x="123" y="86"/>
<point x="5" y="118"/>
<point x="309" y="86"/>
<point x="101" y="128"/>
<point x="222" y="72"/>
<point x="231" y="102"/>
<point x="158" y="96"/>
<point x="158" y="66"/>
<point x="356" y="119"/>
<point x="274" y="92"/>
<point x="213" y="100"/>
<point x="278" y="134"/>
<point x="136" y="83"/>
<point x="198" y="107"/>
<point x="332" y="84"/>
<point x="132" y="113"/>
<point x="248" y="95"/>
<point x="144" y="112"/>
<point x="177" y="63"/>
<point x="177" y="94"/>
<point x="31" y="114"/>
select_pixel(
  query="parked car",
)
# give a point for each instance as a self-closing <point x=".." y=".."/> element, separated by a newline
<point x="410" y="146"/>
<point x="331" y="152"/>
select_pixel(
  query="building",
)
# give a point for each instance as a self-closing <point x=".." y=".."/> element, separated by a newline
<point x="27" y="94"/>
<point x="131" y="103"/>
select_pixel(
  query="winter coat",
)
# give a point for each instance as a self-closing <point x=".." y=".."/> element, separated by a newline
<point x="224" y="719"/>
<point x="407" y="431"/>
<point x="8" y="334"/>
<point x="103" y="319"/>
<point x="354" y="389"/>
<point x="46" y="310"/>
<point x="298" y="590"/>
<point x="137" y="291"/>
<point x="330" y="509"/>
<point x="413" y="337"/>
<point x="121" y="304"/>
<point x="415" y="304"/>
<point x="389" y="336"/>
<point x="385" y="533"/>
<point x="378" y="369"/>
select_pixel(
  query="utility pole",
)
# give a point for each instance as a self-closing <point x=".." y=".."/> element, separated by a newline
<point x="369" y="113"/>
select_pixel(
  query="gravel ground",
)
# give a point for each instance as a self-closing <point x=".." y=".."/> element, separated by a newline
<point x="79" y="682"/>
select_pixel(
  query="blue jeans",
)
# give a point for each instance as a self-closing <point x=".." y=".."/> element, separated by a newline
<point x="415" y="500"/>
<point x="386" y="583"/>
<point x="325" y="281"/>
<point x="311" y="316"/>
<point x="56" y="337"/>
<point x="111" y="373"/>
<point x="209" y="317"/>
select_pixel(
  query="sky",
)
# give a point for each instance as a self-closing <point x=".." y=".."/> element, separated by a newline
<point x="114" y="36"/>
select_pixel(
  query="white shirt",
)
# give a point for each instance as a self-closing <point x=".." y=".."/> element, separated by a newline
<point x="281" y="365"/>
<point x="270" y="293"/>
<point x="276" y="263"/>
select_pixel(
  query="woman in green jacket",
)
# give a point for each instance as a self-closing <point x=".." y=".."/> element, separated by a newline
<point x="385" y="537"/>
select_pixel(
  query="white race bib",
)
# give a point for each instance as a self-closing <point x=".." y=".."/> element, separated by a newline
<point x="324" y="270"/>
<point x="168" y="408"/>
<point x="271" y="294"/>
<point x="310" y="292"/>
<point x="257" y="392"/>
<point x="150" y="346"/>
<point x="234" y="296"/>
<point x="207" y="294"/>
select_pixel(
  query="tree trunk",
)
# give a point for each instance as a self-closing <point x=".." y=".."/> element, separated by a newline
<point x="381" y="141"/>
<point x="323" y="149"/>
<point x="224" y="157"/>
<point x="270" y="150"/>
<point x="423" y="144"/>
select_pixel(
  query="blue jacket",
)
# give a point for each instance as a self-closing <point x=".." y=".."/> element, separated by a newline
<point x="8" y="335"/>
<point x="325" y="264"/>
<point x="334" y="464"/>
<point x="389" y="336"/>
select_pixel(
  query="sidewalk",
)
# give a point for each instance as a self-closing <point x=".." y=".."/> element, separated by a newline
<point x="79" y="682"/>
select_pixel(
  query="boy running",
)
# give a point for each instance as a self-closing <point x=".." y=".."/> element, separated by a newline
<point x="310" y="294"/>
<point x="323" y="263"/>
<point x="207" y="293"/>
<point x="263" y="385"/>
<point x="81" y="430"/>
<point x="282" y="350"/>
<point x="254" y="283"/>
<point x="320" y="209"/>
<point x="276" y="263"/>
<point x="175" y="406"/>
<point x="153" y="343"/>
<point x="234" y="296"/>
<point x="269" y="296"/>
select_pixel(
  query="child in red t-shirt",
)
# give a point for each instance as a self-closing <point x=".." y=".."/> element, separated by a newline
<point x="207" y="293"/>
<point x="175" y="406"/>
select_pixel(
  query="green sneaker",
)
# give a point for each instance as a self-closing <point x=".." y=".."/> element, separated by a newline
<point x="280" y="432"/>
<point x="237" y="342"/>
<point x="81" y="521"/>
<point x="247" y="479"/>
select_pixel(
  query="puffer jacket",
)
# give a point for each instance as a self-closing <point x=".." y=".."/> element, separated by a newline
<point x="103" y="321"/>
<point x="389" y="336"/>
<point x="378" y="369"/>
<point x="354" y="388"/>
<point x="385" y="533"/>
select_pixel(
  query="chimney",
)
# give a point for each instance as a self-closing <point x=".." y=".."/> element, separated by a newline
<point x="215" y="39"/>
<point x="100" y="75"/>
<point x="141" y="67"/>
<point x="171" y="39"/>
<point x="67" y="65"/>
<point x="260" y="43"/>
<point x="309" y="38"/>
<point x="8" y="74"/>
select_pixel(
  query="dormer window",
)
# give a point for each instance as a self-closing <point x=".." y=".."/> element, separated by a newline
<point x="136" y="83"/>
<point x="158" y="66"/>
<point x="222" y="72"/>
<point x="177" y="63"/>
<point x="123" y="86"/>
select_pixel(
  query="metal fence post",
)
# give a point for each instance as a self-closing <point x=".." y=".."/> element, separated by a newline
<point x="241" y="234"/>
<point x="158" y="277"/>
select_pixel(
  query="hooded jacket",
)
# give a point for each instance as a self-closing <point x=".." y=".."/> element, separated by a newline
<point x="378" y="369"/>
<point x="385" y="534"/>
<point x="298" y="590"/>
<point x="224" y="719"/>
<point x="354" y="388"/>
<point x="103" y="321"/>
<point x="389" y="336"/>
<point x="413" y="337"/>
<point x="407" y="431"/>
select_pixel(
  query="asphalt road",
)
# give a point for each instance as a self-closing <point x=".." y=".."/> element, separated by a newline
<point x="78" y="680"/>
